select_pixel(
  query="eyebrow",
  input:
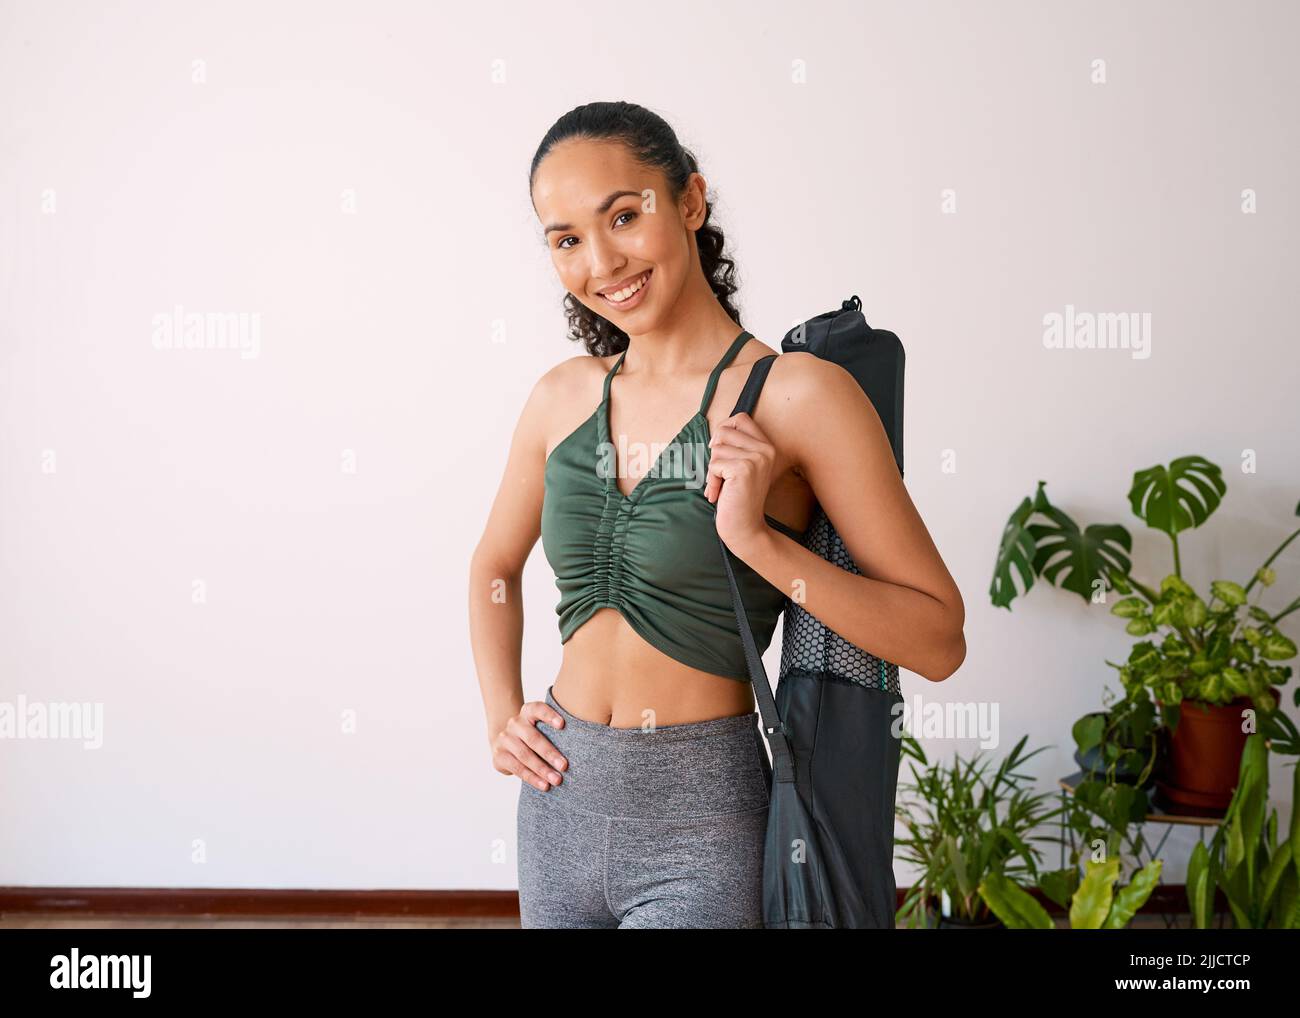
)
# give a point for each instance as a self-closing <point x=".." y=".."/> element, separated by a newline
<point x="600" y="209"/>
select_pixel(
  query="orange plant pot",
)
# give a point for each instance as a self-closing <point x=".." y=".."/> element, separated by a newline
<point x="1203" y="762"/>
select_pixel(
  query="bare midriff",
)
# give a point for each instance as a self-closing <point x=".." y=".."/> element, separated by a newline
<point x="610" y="675"/>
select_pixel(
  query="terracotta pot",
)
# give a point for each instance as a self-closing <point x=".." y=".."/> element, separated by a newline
<point x="1203" y="762"/>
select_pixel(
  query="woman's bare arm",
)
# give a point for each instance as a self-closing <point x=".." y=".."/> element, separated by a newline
<point x="905" y="607"/>
<point x="496" y="615"/>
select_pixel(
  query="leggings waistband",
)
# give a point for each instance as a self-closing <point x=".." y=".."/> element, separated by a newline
<point x="699" y="769"/>
<point x="661" y="733"/>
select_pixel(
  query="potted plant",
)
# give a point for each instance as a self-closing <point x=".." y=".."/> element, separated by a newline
<point x="1093" y="904"/>
<point x="1119" y="743"/>
<point x="962" y="825"/>
<point x="1106" y="820"/>
<point x="1260" y="878"/>
<point x="1211" y="663"/>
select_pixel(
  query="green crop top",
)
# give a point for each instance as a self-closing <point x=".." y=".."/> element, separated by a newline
<point x="652" y="555"/>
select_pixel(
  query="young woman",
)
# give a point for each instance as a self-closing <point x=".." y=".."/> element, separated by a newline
<point x="644" y="778"/>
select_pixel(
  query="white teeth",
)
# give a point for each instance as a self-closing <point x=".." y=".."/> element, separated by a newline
<point x="622" y="295"/>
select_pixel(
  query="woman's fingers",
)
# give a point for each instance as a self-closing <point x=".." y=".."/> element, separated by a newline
<point x="738" y="441"/>
<point x="534" y="757"/>
<point x="732" y="463"/>
<point x="540" y="710"/>
<point x="526" y="732"/>
<point x="521" y="760"/>
<point x="744" y="423"/>
<point x="740" y="432"/>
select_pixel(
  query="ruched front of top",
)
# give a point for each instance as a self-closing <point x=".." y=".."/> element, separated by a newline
<point x="652" y="555"/>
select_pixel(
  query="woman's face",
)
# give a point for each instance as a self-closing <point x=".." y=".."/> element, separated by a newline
<point x="610" y="224"/>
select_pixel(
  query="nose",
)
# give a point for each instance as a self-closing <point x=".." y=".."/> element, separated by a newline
<point x="605" y="260"/>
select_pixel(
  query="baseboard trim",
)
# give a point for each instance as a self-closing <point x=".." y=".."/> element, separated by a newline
<point x="233" y="901"/>
<point x="223" y="901"/>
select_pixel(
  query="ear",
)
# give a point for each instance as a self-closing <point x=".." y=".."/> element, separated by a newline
<point x="694" y="203"/>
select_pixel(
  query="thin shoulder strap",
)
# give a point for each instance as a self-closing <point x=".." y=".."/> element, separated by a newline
<point x="753" y="385"/>
<point x="732" y="350"/>
<point x="610" y="374"/>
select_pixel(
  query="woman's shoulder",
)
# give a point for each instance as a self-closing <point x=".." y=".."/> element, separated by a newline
<point x="564" y="396"/>
<point x="803" y="381"/>
<point x="572" y="378"/>
<point x="805" y="396"/>
<point x="808" y="402"/>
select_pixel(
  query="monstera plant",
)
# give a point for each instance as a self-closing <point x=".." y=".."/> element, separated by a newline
<point x="1210" y="662"/>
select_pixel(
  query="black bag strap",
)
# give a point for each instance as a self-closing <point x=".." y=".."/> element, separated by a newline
<point x="773" y="726"/>
<point x="753" y="385"/>
<point x="782" y="760"/>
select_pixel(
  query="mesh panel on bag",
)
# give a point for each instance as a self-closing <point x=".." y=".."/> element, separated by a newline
<point x="808" y="646"/>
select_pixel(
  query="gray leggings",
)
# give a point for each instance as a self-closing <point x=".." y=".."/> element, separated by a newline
<point x="647" y="829"/>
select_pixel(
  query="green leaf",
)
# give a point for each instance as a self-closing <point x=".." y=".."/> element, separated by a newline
<point x="1178" y="497"/>
<point x="958" y="863"/>
<point x="1266" y="576"/>
<point x="1194" y="612"/>
<point x="1295" y="819"/>
<point x="1012" y="904"/>
<point x="1016" y="550"/>
<point x="1134" y="896"/>
<point x="1074" y="560"/>
<point x="1228" y="592"/>
<point x="1200" y="890"/>
<point x="1175" y="584"/>
<point x="1092" y="900"/>
<point x="1235" y="682"/>
<point x="1287" y="908"/>
<point x="1211" y="688"/>
<point x="1144" y="655"/>
<point x="1129" y="608"/>
<point x="1277" y="647"/>
<point x="1087" y="731"/>
<point x="1277" y="867"/>
<point x="1060" y="885"/>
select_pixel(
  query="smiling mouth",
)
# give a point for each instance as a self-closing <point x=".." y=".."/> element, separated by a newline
<point x="631" y="292"/>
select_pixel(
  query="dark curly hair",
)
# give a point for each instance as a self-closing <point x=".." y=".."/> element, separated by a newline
<point x="653" y="144"/>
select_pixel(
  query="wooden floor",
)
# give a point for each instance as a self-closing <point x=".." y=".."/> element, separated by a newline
<point x="37" y="920"/>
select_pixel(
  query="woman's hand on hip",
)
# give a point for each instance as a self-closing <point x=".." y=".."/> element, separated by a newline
<point x="520" y="749"/>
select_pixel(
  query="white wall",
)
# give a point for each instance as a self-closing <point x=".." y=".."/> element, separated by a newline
<point x="127" y="187"/>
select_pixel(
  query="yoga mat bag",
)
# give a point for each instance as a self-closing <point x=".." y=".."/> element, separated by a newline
<point x="828" y="853"/>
